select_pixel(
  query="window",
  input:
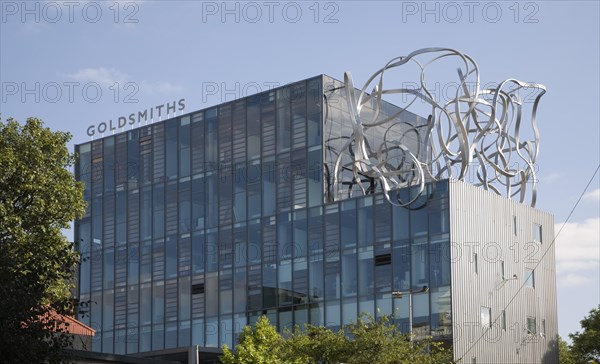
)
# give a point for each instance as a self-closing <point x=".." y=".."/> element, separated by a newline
<point x="503" y="320"/>
<point x="531" y="326"/>
<point x="198" y="288"/>
<point x="537" y="233"/>
<point x="383" y="259"/>
<point x="502" y="269"/>
<point x="475" y="263"/>
<point x="419" y="264"/>
<point x="529" y="278"/>
<point x="486" y="316"/>
<point x="514" y="225"/>
<point x="543" y="328"/>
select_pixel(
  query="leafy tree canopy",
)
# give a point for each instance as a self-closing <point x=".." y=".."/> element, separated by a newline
<point x="261" y="344"/>
<point x="565" y="355"/>
<point x="38" y="198"/>
<point x="365" y="342"/>
<point x="586" y="344"/>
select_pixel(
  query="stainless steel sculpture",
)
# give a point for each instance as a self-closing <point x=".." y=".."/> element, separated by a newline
<point x="477" y="133"/>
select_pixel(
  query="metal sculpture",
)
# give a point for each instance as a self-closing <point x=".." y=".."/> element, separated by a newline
<point x="478" y="130"/>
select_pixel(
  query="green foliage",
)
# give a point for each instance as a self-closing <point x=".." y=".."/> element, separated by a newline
<point x="565" y="355"/>
<point x="379" y="341"/>
<point x="38" y="198"/>
<point x="586" y="344"/>
<point x="259" y="345"/>
<point x="364" y="342"/>
<point x="317" y="344"/>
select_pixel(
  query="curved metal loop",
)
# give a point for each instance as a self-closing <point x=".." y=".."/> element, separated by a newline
<point x="478" y="130"/>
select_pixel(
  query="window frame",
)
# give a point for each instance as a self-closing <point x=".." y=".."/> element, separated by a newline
<point x="482" y="310"/>
<point x="537" y="233"/>
<point x="529" y="278"/>
<point x="543" y="328"/>
<point x="531" y="323"/>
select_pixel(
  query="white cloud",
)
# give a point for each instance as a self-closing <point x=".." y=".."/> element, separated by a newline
<point x="31" y="27"/>
<point x="593" y="195"/>
<point x="551" y="177"/>
<point x="160" y="87"/>
<point x="103" y="76"/>
<point x="573" y="280"/>
<point x="578" y="250"/>
<point x="107" y="77"/>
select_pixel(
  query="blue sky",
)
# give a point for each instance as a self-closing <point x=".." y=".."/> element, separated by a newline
<point x="79" y="63"/>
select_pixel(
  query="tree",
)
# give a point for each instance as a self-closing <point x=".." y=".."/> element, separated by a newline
<point x="565" y="355"/>
<point x="365" y="342"/>
<point x="38" y="198"/>
<point x="259" y="345"/>
<point x="318" y="344"/>
<point x="379" y="341"/>
<point x="586" y="344"/>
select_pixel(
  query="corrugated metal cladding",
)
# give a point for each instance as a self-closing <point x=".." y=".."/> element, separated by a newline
<point x="490" y="233"/>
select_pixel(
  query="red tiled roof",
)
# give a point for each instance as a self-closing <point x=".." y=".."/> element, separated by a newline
<point x="75" y="326"/>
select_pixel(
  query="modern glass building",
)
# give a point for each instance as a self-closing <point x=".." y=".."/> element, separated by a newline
<point x="199" y="224"/>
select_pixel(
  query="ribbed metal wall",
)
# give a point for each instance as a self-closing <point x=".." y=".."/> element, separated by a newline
<point x="481" y="223"/>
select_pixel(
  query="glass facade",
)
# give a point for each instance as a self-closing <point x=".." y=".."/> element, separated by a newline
<point x="199" y="224"/>
<point x="386" y="128"/>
